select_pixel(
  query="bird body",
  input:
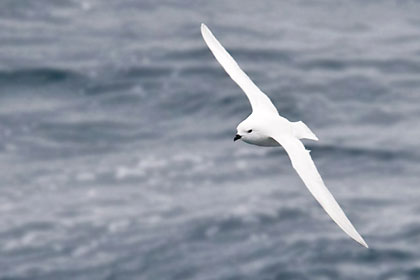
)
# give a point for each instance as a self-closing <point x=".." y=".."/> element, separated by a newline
<point x="260" y="124"/>
<point x="265" y="127"/>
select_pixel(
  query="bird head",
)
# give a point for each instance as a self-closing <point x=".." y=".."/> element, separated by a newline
<point x="247" y="131"/>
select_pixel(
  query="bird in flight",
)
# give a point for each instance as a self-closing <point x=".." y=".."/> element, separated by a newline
<point x="265" y="127"/>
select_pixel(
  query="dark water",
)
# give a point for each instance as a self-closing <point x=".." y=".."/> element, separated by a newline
<point x="116" y="152"/>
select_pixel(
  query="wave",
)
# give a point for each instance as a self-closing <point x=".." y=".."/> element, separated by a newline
<point x="391" y="65"/>
<point x="39" y="76"/>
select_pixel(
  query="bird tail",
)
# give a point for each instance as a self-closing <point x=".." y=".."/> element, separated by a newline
<point x="301" y="131"/>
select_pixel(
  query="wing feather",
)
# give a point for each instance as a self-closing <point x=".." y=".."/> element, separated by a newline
<point x="305" y="167"/>
<point x="259" y="100"/>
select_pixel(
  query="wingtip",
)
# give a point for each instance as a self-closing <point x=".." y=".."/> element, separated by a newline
<point x="203" y="27"/>
<point x="364" y="244"/>
<point x="361" y="241"/>
<point x="353" y="234"/>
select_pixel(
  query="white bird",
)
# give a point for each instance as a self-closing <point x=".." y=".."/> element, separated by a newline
<point x="265" y="127"/>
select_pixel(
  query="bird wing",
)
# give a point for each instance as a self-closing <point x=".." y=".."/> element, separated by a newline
<point x="305" y="167"/>
<point x="259" y="101"/>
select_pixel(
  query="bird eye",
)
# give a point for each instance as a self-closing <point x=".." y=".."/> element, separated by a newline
<point x="249" y="131"/>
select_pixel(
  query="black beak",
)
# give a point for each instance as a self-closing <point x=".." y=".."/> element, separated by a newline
<point x="237" y="137"/>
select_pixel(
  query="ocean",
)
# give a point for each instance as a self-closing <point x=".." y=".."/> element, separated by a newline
<point x="116" y="151"/>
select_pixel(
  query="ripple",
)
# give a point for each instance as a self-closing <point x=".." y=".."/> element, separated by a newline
<point x="39" y="76"/>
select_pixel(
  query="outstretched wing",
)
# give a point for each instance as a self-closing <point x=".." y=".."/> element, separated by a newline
<point x="305" y="167"/>
<point x="259" y="101"/>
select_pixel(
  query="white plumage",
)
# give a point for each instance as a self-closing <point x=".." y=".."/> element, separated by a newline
<point x="265" y="127"/>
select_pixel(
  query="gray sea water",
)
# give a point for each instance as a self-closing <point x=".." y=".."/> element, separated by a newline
<point x="116" y="151"/>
